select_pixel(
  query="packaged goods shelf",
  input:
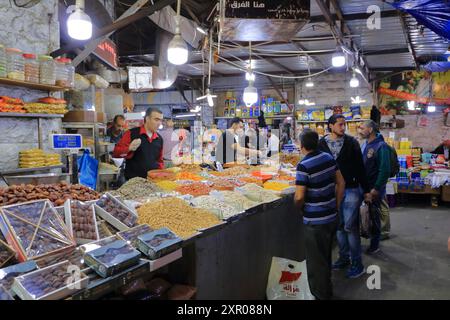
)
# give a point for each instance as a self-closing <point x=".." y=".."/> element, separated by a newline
<point x="31" y="85"/>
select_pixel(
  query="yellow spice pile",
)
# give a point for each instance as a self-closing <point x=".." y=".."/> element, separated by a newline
<point x="177" y="215"/>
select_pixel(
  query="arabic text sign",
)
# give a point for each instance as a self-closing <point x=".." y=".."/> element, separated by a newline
<point x="268" y="9"/>
<point x="67" y="141"/>
<point x="107" y="52"/>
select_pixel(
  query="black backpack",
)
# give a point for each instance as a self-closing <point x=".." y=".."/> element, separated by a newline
<point x="395" y="165"/>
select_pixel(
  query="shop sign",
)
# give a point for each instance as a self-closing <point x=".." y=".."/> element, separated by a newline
<point x="67" y="141"/>
<point x="268" y="9"/>
<point x="107" y="52"/>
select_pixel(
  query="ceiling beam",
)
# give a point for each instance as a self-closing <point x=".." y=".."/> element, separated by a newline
<point x="274" y="63"/>
<point x="97" y="33"/>
<point x="341" y="31"/>
<point x="408" y="39"/>
<point x="277" y="89"/>
<point x="354" y="16"/>
<point x="392" y="69"/>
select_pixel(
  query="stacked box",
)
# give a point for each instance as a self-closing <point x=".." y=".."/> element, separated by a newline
<point x="158" y="243"/>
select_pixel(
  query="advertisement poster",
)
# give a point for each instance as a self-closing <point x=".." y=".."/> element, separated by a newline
<point x="421" y="87"/>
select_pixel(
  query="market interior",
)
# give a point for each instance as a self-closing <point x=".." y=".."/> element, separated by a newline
<point x="161" y="148"/>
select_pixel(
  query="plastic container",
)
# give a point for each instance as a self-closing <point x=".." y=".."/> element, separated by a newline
<point x="46" y="70"/>
<point x="31" y="68"/>
<point x="61" y="72"/>
<point x="2" y="62"/>
<point x="15" y="64"/>
<point x="70" y="74"/>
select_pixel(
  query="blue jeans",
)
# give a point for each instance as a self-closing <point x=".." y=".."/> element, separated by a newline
<point x="348" y="235"/>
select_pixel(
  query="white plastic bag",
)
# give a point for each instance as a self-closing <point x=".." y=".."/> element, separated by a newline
<point x="288" y="280"/>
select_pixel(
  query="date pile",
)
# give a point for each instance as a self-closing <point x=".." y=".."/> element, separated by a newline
<point x="57" y="193"/>
<point x="83" y="221"/>
<point x="5" y="252"/>
<point x="131" y="236"/>
<point x="117" y="210"/>
<point x="46" y="281"/>
<point x="112" y="253"/>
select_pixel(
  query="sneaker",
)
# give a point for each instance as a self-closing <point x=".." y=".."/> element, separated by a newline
<point x="340" y="264"/>
<point x="355" y="271"/>
<point x="371" y="250"/>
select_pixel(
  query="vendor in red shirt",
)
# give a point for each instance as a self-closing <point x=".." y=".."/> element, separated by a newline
<point x="142" y="147"/>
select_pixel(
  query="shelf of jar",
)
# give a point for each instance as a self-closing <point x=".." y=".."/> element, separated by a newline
<point x="31" y="85"/>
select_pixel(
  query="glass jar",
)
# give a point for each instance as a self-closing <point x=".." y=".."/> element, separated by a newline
<point x="2" y="62"/>
<point x="46" y="70"/>
<point x="70" y="73"/>
<point x="31" y="68"/>
<point x="15" y="64"/>
<point x="61" y="72"/>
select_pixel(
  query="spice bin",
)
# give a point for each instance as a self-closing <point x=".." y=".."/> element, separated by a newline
<point x="51" y="283"/>
<point x="112" y="258"/>
<point x="15" y="64"/>
<point x="46" y="70"/>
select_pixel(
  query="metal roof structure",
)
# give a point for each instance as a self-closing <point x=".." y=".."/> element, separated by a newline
<point x="399" y="44"/>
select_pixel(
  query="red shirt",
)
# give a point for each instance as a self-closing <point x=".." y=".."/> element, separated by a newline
<point x="121" y="148"/>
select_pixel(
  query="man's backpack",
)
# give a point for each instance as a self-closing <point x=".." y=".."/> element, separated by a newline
<point x="395" y="165"/>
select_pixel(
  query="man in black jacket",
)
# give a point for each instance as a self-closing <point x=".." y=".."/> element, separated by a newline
<point x="347" y="152"/>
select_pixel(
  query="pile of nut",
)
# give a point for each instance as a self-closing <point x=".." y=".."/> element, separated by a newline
<point x="117" y="210"/>
<point x="83" y="221"/>
<point x="46" y="281"/>
<point x="210" y="203"/>
<point x="137" y="188"/>
<point x="177" y="215"/>
<point x="57" y="193"/>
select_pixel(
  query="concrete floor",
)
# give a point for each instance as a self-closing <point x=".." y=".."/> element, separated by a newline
<point x="414" y="262"/>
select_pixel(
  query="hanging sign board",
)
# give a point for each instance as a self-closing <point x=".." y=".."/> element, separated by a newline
<point x="107" y="52"/>
<point x="264" y="20"/>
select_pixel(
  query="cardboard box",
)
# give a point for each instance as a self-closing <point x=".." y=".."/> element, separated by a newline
<point x="29" y="292"/>
<point x="80" y="116"/>
<point x="85" y="248"/>
<point x="158" y="243"/>
<point x="8" y="274"/>
<point x="109" y="217"/>
<point x="112" y="258"/>
<point x="131" y="235"/>
<point x="445" y="195"/>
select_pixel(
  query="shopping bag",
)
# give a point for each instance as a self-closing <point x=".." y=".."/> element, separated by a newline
<point x="288" y="280"/>
<point x="365" y="221"/>
<point x="87" y="170"/>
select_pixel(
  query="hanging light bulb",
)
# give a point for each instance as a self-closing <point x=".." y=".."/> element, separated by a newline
<point x="338" y="60"/>
<point x="79" y="24"/>
<point x="411" y="105"/>
<point x="210" y="100"/>
<point x="354" y="82"/>
<point x="250" y="94"/>
<point x="431" y="108"/>
<point x="177" y="52"/>
<point x="249" y="75"/>
<point x="309" y="83"/>
<point x="301" y="102"/>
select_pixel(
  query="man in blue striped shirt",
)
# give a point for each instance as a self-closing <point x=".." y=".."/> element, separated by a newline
<point x="320" y="190"/>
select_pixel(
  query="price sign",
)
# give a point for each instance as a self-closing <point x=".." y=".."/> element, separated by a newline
<point x="67" y="141"/>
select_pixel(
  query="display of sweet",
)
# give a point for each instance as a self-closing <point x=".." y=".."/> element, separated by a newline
<point x="56" y="193"/>
<point x="132" y="235"/>
<point x="37" y="229"/>
<point x="8" y="274"/>
<point x="84" y="224"/>
<point x="158" y="243"/>
<point x="117" y="210"/>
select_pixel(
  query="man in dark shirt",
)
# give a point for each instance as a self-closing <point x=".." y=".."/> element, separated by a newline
<point x="320" y="190"/>
<point x="229" y="147"/>
<point x="347" y="153"/>
<point x="115" y="132"/>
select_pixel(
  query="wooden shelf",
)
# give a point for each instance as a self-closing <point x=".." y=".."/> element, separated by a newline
<point x="29" y="115"/>
<point x="36" y="86"/>
<point x="25" y="170"/>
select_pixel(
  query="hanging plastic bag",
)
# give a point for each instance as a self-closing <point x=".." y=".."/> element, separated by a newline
<point x="87" y="170"/>
<point x="365" y="221"/>
<point x="288" y="280"/>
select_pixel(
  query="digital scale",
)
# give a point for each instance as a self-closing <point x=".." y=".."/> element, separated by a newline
<point x="70" y="144"/>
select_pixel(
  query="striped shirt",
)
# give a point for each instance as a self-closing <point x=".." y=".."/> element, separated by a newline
<point x="317" y="172"/>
